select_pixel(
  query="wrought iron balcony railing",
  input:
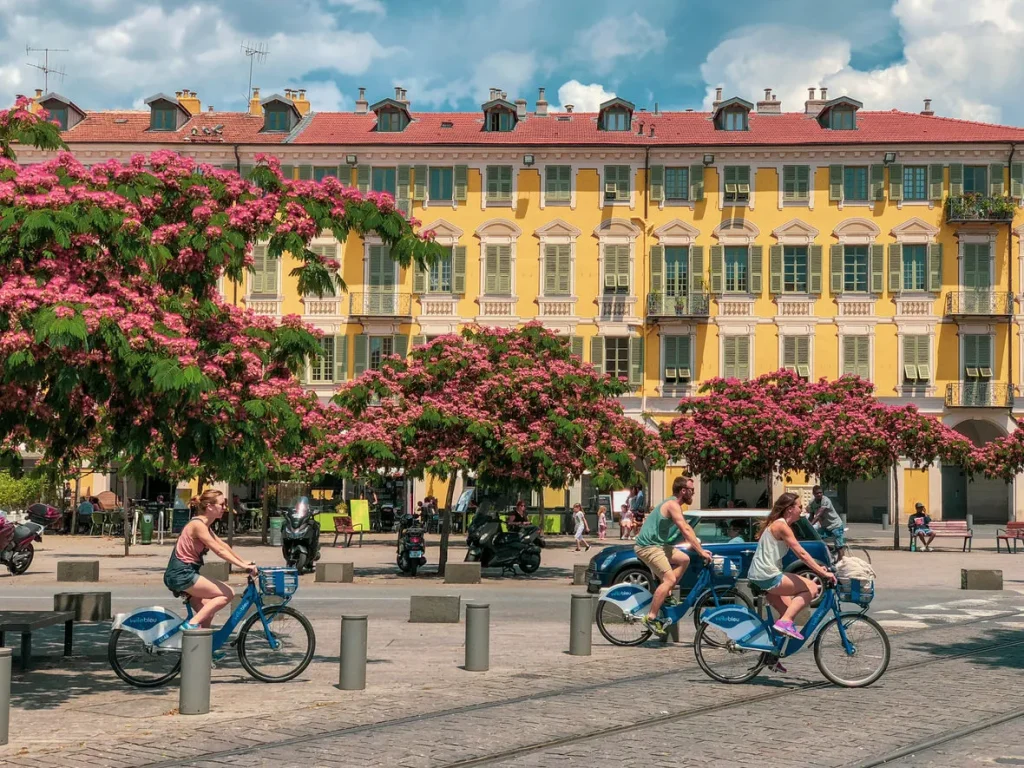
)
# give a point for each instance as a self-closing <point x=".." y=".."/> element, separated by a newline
<point x="382" y="303"/>
<point x="691" y="305"/>
<point x="975" y="207"/>
<point x="979" y="303"/>
<point x="978" y="394"/>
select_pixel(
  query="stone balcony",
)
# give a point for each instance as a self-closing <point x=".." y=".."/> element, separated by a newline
<point x="556" y="306"/>
<point x="617" y="308"/>
<point x="266" y="305"/>
<point x="380" y="303"/>
<point x="444" y="305"/>
<point x="326" y="307"/>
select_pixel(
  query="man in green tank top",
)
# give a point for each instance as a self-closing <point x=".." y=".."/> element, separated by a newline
<point x="656" y="547"/>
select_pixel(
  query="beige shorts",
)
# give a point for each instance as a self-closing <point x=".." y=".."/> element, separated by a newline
<point x="658" y="559"/>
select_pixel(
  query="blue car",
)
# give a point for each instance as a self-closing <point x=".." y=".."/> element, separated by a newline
<point x="715" y="528"/>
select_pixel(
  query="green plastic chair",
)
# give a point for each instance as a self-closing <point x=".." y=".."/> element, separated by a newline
<point x="98" y="519"/>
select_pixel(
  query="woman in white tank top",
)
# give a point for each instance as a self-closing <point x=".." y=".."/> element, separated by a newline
<point x="786" y="592"/>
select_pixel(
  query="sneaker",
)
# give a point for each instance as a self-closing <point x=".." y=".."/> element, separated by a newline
<point x="928" y="548"/>
<point x="188" y="625"/>
<point x="789" y="629"/>
<point x="776" y="666"/>
<point x="655" y="626"/>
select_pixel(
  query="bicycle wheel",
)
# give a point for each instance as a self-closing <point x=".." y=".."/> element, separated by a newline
<point x="721" y="660"/>
<point x="726" y="596"/>
<point x="141" y="665"/>
<point x="296" y="645"/>
<point x="619" y="627"/>
<point x="870" y="655"/>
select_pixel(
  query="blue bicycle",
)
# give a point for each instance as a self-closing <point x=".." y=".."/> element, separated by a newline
<point x="274" y="645"/>
<point x="621" y="608"/>
<point x="851" y="649"/>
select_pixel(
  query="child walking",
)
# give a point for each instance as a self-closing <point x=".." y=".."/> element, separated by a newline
<point x="602" y="522"/>
<point x="580" y="523"/>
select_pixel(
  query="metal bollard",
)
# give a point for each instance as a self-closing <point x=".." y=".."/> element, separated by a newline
<point x="845" y="518"/>
<point x="352" y="676"/>
<point x="5" y="693"/>
<point x="478" y="637"/>
<point x="196" y="664"/>
<point x="885" y="521"/>
<point x="581" y="622"/>
<point x="970" y="520"/>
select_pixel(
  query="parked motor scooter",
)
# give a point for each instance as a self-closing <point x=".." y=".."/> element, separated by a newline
<point x="300" y="537"/>
<point x="494" y="548"/>
<point x="17" y="548"/>
<point x="411" y="545"/>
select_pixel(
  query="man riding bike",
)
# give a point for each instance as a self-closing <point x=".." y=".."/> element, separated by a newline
<point x="655" y="546"/>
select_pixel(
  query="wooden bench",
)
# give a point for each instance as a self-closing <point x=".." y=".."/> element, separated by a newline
<point x="343" y="527"/>
<point x="1012" y="532"/>
<point x="26" y="622"/>
<point x="953" y="529"/>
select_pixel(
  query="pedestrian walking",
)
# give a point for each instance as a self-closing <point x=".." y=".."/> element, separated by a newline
<point x="580" y="526"/>
<point x="602" y="522"/>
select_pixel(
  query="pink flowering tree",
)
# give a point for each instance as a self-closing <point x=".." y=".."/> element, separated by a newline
<point x="514" y="407"/>
<point x="1002" y="458"/>
<point x="114" y="341"/>
<point x="18" y="125"/>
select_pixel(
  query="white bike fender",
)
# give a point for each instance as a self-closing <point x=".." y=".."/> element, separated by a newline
<point x="150" y="624"/>
<point x="628" y="597"/>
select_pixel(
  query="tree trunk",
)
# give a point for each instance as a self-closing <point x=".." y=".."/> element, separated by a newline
<point x="543" y="509"/>
<point x="127" y="516"/>
<point x="896" y="521"/>
<point x="446" y="523"/>
<point x="74" y="503"/>
<point x="265" y="523"/>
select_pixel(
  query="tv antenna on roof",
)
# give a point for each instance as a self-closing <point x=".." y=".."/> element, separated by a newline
<point x="45" y="67"/>
<point x="256" y="51"/>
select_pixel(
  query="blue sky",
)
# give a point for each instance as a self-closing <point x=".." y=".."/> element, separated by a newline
<point x="447" y="53"/>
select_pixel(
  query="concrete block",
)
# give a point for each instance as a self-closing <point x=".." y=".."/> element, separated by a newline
<point x="579" y="575"/>
<point x="88" y="606"/>
<point x="462" y="573"/>
<point x="78" y="570"/>
<point x="337" y="573"/>
<point x="218" y="570"/>
<point x="979" y="579"/>
<point x="435" y="609"/>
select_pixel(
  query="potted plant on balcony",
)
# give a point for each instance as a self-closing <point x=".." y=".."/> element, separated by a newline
<point x="682" y="304"/>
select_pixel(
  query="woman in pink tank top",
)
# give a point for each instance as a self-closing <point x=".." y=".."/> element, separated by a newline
<point x="206" y="595"/>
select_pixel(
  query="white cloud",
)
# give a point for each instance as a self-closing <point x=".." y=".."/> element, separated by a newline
<point x="362" y="6"/>
<point x="584" y="98"/>
<point x="613" y="38"/>
<point x="960" y="55"/>
<point x="508" y="70"/>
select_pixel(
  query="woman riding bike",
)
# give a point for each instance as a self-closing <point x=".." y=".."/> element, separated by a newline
<point x="206" y="595"/>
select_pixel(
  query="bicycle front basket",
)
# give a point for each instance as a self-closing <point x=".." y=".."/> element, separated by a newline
<point x="859" y="591"/>
<point x="725" y="566"/>
<point x="281" y="582"/>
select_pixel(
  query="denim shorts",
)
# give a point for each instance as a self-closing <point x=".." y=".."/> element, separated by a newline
<point x="765" y="584"/>
<point x="180" y="576"/>
<point x="838" y="534"/>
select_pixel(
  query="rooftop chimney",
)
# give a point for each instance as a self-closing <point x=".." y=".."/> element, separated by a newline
<point x="362" y="105"/>
<point x="520" y="108"/>
<point x="770" y="105"/>
<point x="656" y="110"/>
<point x="405" y="98"/>
<point x="254" y="103"/>
<point x="568" y="108"/>
<point x="927" y="111"/>
<point x="813" y="106"/>
<point x="398" y="93"/>
<point x="190" y="101"/>
<point x="39" y="93"/>
<point x="823" y="96"/>
<point x="718" y="97"/>
<point x="300" y="101"/>
<point x="652" y="131"/>
<point x="210" y="108"/>
<point x="542" y="104"/>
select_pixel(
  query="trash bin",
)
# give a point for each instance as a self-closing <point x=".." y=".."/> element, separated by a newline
<point x="275" y="531"/>
<point x="147" y="527"/>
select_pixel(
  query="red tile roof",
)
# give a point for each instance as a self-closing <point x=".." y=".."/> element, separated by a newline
<point x="670" y="129"/>
<point x="132" y="127"/>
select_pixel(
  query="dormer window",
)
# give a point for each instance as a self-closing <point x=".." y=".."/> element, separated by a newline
<point x="163" y="120"/>
<point x="276" y="120"/>
<point x="500" y="120"/>
<point x="59" y="115"/>
<point x="392" y="115"/>
<point x="839" y="114"/>
<point x="732" y="115"/>
<point x="62" y="111"/>
<point x="165" y="113"/>
<point x="280" y="115"/>
<point x="616" y="115"/>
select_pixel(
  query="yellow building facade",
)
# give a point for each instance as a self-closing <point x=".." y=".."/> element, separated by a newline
<point x="671" y="247"/>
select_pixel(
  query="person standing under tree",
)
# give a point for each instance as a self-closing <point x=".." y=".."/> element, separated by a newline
<point x="580" y="526"/>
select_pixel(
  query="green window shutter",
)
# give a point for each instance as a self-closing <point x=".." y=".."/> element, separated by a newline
<point x="756" y="268"/>
<point x="696" y="182"/>
<point x="935" y="180"/>
<point x="864" y="357"/>
<point x="717" y="282"/>
<point x="550" y="270"/>
<point x="257" y="279"/>
<point x="363" y="178"/>
<point x="835" y="183"/>
<point x="876" y="278"/>
<point x="419" y="278"/>
<point x="814" y="270"/>
<point x="895" y="182"/>
<point x="924" y="367"/>
<point x="459" y="269"/>
<point x="729" y="357"/>
<point x="403" y="182"/>
<point x="419" y="340"/>
<point x="895" y="268"/>
<point x="1017" y="180"/>
<point x="742" y="357"/>
<point x="849" y="356"/>
<point x="361" y="354"/>
<point x="491" y="270"/>
<point x="803" y="356"/>
<point x="789" y="353"/>
<point x="597" y="353"/>
<point x="789" y="183"/>
<point x="288" y="172"/>
<point x="245" y="170"/>
<point x="935" y="267"/>
<point x="670" y="365"/>
<point x="836" y="269"/>
<point x="996" y="185"/>
<point x="956" y="179"/>
<point x="684" y="361"/>
<point x="877" y="176"/>
<point x="340" y="357"/>
<point x="658" y="269"/>
<point x="305" y="172"/>
<point x="657" y="184"/>
<point x="576" y="346"/>
<point x="910" y="358"/>
<point x="622" y="266"/>
<point x="636" y="360"/>
<point x="505" y="270"/>
<point x="461" y="183"/>
<point x="564" y="279"/>
<point x="343" y="174"/>
<point x="400" y="345"/>
<point x="775" y="270"/>
<point x="270" y="285"/>
<point x="505" y="182"/>
<point x="419" y="173"/>
<point x="803" y="182"/>
<point x="696" y="268"/>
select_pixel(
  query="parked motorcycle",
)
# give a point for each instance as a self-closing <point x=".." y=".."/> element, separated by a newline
<point x="492" y="547"/>
<point x="17" y="548"/>
<point x="300" y="537"/>
<point x="412" y="545"/>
